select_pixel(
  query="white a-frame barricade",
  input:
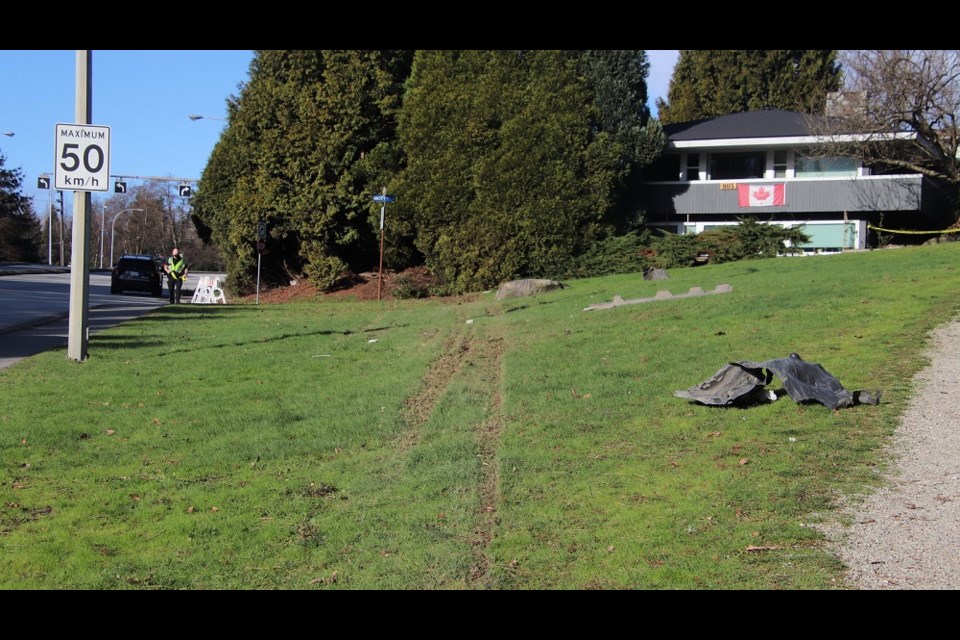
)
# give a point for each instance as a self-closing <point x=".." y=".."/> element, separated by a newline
<point x="208" y="291"/>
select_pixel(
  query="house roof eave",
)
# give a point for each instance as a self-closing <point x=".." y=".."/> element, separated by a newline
<point x="787" y="141"/>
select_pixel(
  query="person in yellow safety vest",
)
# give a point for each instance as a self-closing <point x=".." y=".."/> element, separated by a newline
<point x="176" y="269"/>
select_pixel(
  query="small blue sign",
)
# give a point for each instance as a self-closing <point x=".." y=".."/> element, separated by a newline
<point x="379" y="198"/>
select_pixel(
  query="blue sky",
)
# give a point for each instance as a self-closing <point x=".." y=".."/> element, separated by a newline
<point x="662" y="62"/>
<point x="145" y="98"/>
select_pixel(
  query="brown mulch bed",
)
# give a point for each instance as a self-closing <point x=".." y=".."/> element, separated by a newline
<point x="360" y="286"/>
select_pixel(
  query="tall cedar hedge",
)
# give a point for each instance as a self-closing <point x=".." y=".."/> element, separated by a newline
<point x="504" y="163"/>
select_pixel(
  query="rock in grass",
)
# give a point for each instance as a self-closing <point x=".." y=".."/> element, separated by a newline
<point x="526" y="287"/>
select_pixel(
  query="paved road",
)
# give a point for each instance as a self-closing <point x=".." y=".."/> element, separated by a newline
<point x="35" y="307"/>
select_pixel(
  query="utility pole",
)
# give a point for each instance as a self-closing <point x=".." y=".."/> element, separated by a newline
<point x="79" y="327"/>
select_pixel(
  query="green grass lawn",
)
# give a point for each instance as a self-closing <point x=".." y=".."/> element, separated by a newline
<point x="463" y="443"/>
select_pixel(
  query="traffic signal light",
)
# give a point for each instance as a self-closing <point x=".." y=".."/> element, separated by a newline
<point x="119" y="187"/>
<point x="185" y="190"/>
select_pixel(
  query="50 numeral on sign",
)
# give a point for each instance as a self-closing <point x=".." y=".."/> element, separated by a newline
<point x="87" y="153"/>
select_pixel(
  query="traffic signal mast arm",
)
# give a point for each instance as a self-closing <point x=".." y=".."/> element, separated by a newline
<point x="165" y="179"/>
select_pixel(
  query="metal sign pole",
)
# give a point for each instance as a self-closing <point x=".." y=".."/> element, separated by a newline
<point x="50" y="221"/>
<point x="261" y="247"/>
<point x="384" y="199"/>
<point x="63" y="211"/>
<point x="258" y="276"/>
<point x="383" y="211"/>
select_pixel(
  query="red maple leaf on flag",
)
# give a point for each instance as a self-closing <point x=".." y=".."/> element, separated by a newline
<point x="761" y="194"/>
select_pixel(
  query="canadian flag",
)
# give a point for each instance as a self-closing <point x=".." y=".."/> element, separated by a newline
<point x="761" y="195"/>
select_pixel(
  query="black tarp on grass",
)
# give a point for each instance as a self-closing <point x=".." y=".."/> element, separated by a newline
<point x="744" y="382"/>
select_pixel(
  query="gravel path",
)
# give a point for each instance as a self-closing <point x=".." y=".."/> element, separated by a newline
<point x="907" y="535"/>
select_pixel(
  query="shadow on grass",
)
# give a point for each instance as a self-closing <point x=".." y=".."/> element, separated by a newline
<point x="123" y="342"/>
<point x="259" y="341"/>
<point x="202" y="310"/>
<point x="184" y="313"/>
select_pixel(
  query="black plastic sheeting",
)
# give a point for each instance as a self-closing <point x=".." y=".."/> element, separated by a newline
<point x="744" y="382"/>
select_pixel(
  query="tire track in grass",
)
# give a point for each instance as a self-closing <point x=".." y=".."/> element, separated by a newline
<point x="490" y="363"/>
<point x="435" y="382"/>
<point x="484" y="355"/>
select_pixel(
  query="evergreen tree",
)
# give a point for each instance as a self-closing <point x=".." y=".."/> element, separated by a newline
<point x="711" y="83"/>
<point x="510" y="172"/>
<point x="301" y="153"/>
<point x="20" y="230"/>
<point x="618" y="79"/>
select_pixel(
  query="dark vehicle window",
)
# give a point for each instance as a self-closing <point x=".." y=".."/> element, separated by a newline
<point x="133" y="264"/>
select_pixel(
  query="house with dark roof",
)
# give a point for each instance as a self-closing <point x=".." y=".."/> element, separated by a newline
<point x="771" y="164"/>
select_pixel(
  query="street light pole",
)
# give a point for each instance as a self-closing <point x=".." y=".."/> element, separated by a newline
<point x="195" y="117"/>
<point x="112" y="229"/>
<point x="103" y="215"/>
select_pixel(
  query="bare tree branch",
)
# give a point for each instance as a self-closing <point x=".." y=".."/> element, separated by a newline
<point x="912" y="91"/>
<point x="904" y="91"/>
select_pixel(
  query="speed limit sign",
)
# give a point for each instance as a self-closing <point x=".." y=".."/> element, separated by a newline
<point x="82" y="161"/>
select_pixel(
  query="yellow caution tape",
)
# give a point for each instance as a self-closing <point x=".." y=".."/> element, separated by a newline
<point x="957" y="230"/>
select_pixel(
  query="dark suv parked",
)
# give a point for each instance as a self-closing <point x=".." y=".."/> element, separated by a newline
<point x="136" y="273"/>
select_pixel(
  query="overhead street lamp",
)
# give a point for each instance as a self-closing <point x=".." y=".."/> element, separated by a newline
<point x="196" y="117"/>
<point x="111" y="232"/>
<point x="103" y="232"/>
<point x="9" y="134"/>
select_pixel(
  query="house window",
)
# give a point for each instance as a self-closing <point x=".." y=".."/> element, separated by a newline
<point x="693" y="166"/>
<point x="826" y="167"/>
<point x="737" y="166"/>
<point x="780" y="164"/>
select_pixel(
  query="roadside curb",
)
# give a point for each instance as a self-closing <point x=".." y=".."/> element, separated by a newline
<point x="6" y="271"/>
